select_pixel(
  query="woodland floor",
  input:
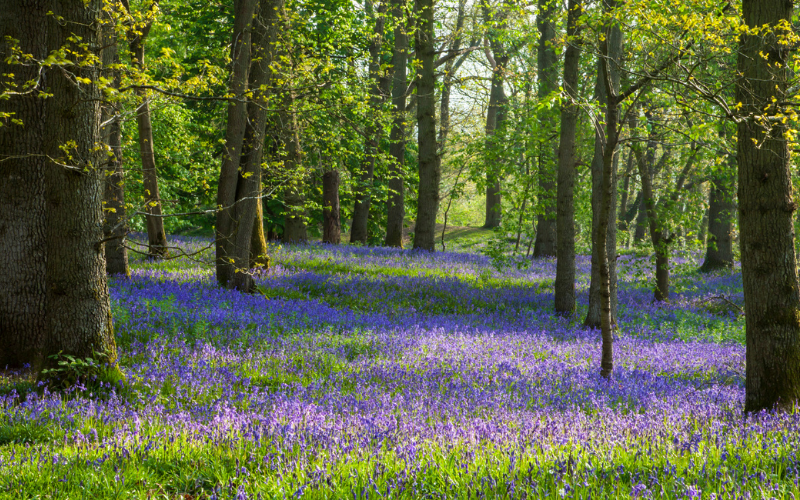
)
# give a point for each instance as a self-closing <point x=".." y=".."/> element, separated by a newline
<point x="365" y="372"/>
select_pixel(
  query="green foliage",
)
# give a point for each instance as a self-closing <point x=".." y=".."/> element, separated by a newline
<point x="64" y="371"/>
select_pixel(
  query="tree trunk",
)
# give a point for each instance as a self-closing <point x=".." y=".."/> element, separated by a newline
<point x="719" y="249"/>
<point x="294" y="226"/>
<point x="766" y="208"/>
<point x="396" y="211"/>
<point x="429" y="167"/>
<point x="622" y="223"/>
<point x="247" y="231"/>
<point x="331" y="228"/>
<point x="226" y="228"/>
<point x="660" y="242"/>
<point x="601" y="143"/>
<point x="565" y="217"/>
<point x="52" y="270"/>
<point x="115" y="226"/>
<point x="363" y="188"/>
<point x="258" y="243"/>
<point x="545" y="245"/>
<point x="156" y="235"/>
<point x="495" y="113"/>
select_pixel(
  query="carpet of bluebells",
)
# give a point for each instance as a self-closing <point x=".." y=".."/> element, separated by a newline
<point x="379" y="373"/>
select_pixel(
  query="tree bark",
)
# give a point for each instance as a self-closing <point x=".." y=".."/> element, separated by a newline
<point x="258" y="243"/>
<point x="766" y="208"/>
<point x="495" y="113"/>
<point x="545" y="245"/>
<point x="719" y="246"/>
<point x="115" y="225"/>
<point x="601" y="143"/>
<point x="226" y="228"/>
<point x="156" y="235"/>
<point x="429" y="161"/>
<point x="396" y="211"/>
<point x="331" y="228"/>
<point x="247" y="231"/>
<point x="660" y="242"/>
<point x="52" y="269"/>
<point x="294" y="226"/>
<point x="363" y="188"/>
<point x="565" y="217"/>
<point x="640" y="231"/>
<point x="622" y="223"/>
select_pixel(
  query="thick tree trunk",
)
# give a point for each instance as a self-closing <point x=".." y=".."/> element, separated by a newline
<point x="429" y="167"/>
<point x="719" y="249"/>
<point x="545" y="245"/>
<point x="766" y="209"/>
<point x="247" y="231"/>
<point x="52" y="269"/>
<point x="363" y="188"/>
<point x="115" y="225"/>
<point x="156" y="235"/>
<point x="396" y="211"/>
<point x="565" y="217"/>
<point x="331" y="228"/>
<point x="601" y="144"/>
<point x="226" y="228"/>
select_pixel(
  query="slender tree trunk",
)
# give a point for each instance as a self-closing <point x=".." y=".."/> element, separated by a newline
<point x="52" y="269"/>
<point x="605" y="241"/>
<point x="565" y="217"/>
<point x="641" y="223"/>
<point x="396" y="211"/>
<point x="607" y="319"/>
<point x="719" y="250"/>
<point x="660" y="242"/>
<point x="545" y="245"/>
<point x="294" y="226"/>
<point x="227" y="224"/>
<point x="156" y="235"/>
<point x="331" y="228"/>
<point x="115" y="226"/>
<point x="601" y="144"/>
<point x="429" y="167"/>
<point x="358" y="229"/>
<point x="495" y="115"/>
<point x="622" y="224"/>
<point x="766" y="209"/>
<point x="495" y="112"/>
